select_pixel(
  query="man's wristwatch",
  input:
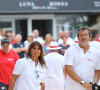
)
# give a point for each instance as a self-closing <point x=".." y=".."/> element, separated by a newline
<point x="82" y="82"/>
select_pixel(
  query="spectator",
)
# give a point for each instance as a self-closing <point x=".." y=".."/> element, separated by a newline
<point x="28" y="72"/>
<point x="48" y="39"/>
<point x="64" y="45"/>
<point x="70" y="41"/>
<point x="28" y="42"/>
<point x="2" y="34"/>
<point x="94" y="42"/>
<point x="8" y="58"/>
<point x="54" y="75"/>
<point x="60" y="34"/>
<point x="19" y="46"/>
<point x="9" y="34"/>
<point x="37" y="38"/>
<point x="13" y="38"/>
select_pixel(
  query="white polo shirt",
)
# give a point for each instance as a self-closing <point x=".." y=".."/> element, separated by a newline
<point x="27" y="79"/>
<point x="55" y="64"/>
<point x="96" y="45"/>
<point x="54" y="73"/>
<point x="84" y="65"/>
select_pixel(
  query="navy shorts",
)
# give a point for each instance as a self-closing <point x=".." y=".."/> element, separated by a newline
<point x="3" y="86"/>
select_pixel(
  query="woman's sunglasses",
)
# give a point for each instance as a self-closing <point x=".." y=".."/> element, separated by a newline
<point x="37" y="74"/>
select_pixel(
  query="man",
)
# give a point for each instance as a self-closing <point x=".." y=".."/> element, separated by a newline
<point x="2" y="33"/>
<point x="94" y="42"/>
<point x="81" y="63"/>
<point x="69" y="41"/>
<point x="13" y="38"/>
<point x="54" y="75"/>
<point x="60" y="34"/>
<point x="37" y="38"/>
<point x="19" y="46"/>
<point x="8" y="58"/>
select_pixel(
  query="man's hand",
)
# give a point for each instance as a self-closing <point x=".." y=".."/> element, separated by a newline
<point x="87" y="85"/>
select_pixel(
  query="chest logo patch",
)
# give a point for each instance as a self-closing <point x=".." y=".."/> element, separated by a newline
<point x="10" y="59"/>
<point x="90" y="60"/>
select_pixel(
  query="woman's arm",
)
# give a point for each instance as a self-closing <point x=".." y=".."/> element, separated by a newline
<point x="12" y="82"/>
<point x="42" y="86"/>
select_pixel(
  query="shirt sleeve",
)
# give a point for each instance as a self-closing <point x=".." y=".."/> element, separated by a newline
<point x="68" y="57"/>
<point x="18" y="67"/>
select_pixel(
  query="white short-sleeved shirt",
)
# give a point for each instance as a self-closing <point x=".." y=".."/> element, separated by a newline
<point x="27" y="79"/>
<point x="83" y="64"/>
<point x="96" y="45"/>
<point x="55" y="64"/>
<point x="54" y="75"/>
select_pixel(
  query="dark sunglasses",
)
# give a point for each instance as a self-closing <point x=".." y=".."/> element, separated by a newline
<point x="5" y="41"/>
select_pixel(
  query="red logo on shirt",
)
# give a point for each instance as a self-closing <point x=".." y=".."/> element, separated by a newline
<point x="10" y="59"/>
<point x="90" y="60"/>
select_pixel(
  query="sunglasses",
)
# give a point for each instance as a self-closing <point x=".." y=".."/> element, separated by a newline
<point x="5" y="41"/>
<point x="37" y="74"/>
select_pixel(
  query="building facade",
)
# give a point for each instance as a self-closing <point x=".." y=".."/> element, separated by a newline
<point x="49" y="16"/>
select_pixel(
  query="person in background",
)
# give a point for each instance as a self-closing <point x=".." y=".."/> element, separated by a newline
<point x="94" y="43"/>
<point x="64" y="45"/>
<point x="9" y="34"/>
<point x="54" y="74"/>
<point x="37" y="38"/>
<point x="28" y="73"/>
<point x="70" y="41"/>
<point x="28" y="42"/>
<point x="81" y="63"/>
<point x="60" y="34"/>
<point x="8" y="58"/>
<point x="13" y="38"/>
<point x="48" y="39"/>
<point x="19" y="46"/>
<point x="2" y="34"/>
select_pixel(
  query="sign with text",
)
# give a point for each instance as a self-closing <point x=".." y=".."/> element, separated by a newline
<point x="49" y="6"/>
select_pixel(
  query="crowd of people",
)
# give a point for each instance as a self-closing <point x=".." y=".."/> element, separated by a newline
<point x="49" y="64"/>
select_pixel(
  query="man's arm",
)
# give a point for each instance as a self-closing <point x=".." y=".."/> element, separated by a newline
<point x="70" y="72"/>
<point x="12" y="81"/>
<point x="96" y="76"/>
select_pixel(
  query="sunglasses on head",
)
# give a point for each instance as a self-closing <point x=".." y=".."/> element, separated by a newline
<point x="37" y="74"/>
<point x="5" y="41"/>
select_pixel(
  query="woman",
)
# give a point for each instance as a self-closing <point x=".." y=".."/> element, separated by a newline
<point x="28" y="72"/>
<point x="48" y="39"/>
<point x="64" y="45"/>
<point x="8" y="58"/>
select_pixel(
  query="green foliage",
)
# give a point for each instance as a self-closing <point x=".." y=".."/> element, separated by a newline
<point x="77" y="24"/>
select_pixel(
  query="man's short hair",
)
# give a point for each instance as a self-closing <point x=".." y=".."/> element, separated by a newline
<point x="84" y="28"/>
<point x="5" y="40"/>
<point x="94" y="32"/>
